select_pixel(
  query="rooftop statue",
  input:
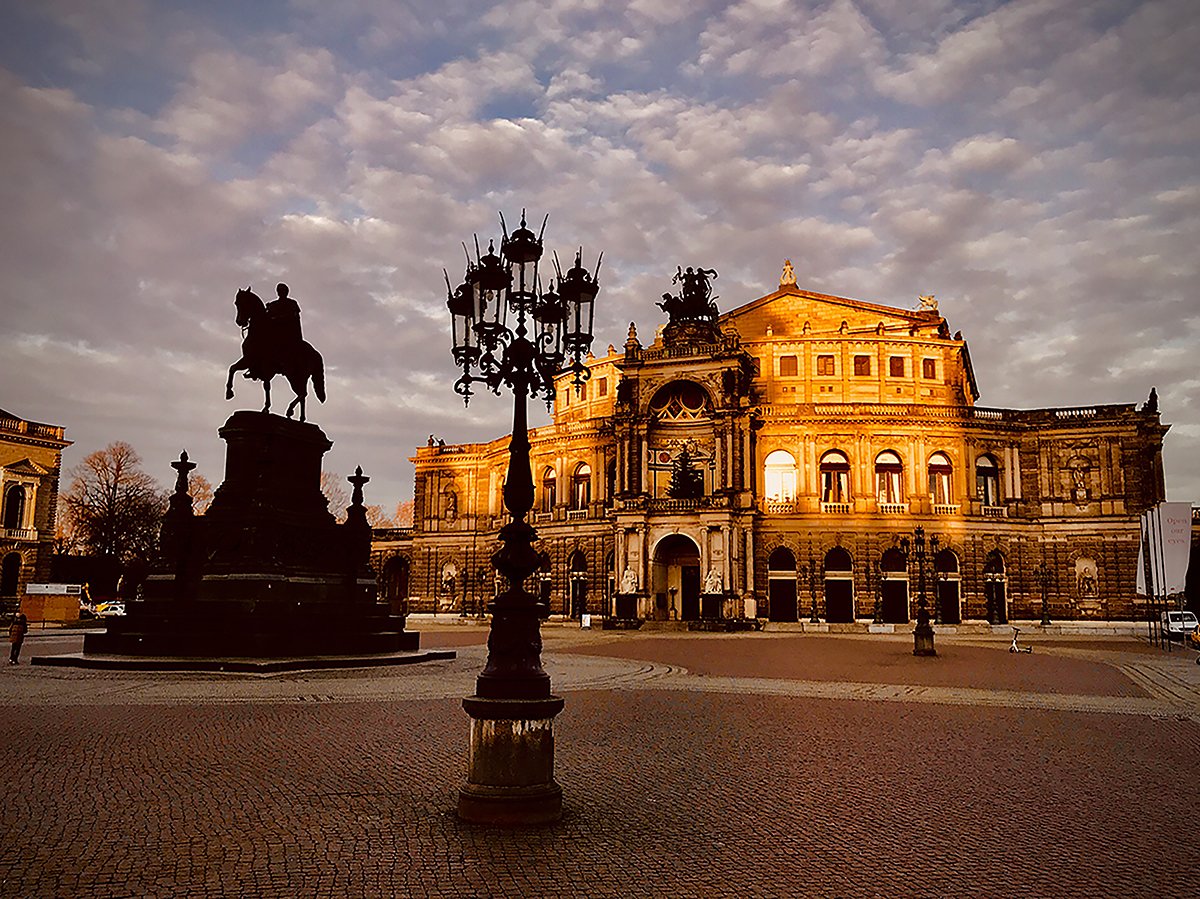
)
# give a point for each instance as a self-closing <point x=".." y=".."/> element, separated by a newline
<point x="273" y="345"/>
<point x="695" y="302"/>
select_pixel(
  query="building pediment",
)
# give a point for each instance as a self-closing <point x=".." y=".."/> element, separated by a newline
<point x="791" y="311"/>
<point x="26" y="467"/>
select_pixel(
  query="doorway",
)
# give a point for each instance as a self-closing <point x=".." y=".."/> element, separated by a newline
<point x="781" y="585"/>
<point x="676" y="578"/>
<point x="893" y="567"/>
<point x="839" y="586"/>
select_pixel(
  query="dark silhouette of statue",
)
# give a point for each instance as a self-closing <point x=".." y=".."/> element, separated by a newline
<point x="1151" y="404"/>
<point x="695" y="302"/>
<point x="273" y="345"/>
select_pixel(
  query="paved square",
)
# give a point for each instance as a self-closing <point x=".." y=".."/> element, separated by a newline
<point x="764" y="765"/>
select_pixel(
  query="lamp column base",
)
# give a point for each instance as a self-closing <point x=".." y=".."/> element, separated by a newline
<point x="510" y="770"/>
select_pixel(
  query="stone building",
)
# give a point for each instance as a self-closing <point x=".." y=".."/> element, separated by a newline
<point x="772" y="463"/>
<point x="30" y="465"/>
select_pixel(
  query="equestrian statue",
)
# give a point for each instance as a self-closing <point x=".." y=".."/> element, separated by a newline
<point x="272" y="344"/>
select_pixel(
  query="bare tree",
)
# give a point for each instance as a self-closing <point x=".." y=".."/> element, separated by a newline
<point x="377" y="518"/>
<point x="113" y="507"/>
<point x="333" y="485"/>
<point x="404" y="514"/>
<point x="201" y="491"/>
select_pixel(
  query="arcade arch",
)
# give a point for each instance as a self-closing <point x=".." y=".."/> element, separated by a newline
<point x="675" y="579"/>
<point x="781" y="585"/>
<point x="839" y="586"/>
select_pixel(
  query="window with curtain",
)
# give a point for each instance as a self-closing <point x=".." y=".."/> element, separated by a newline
<point x="779" y="480"/>
<point x="940" y="471"/>
<point x="889" y="473"/>
<point x="835" y="477"/>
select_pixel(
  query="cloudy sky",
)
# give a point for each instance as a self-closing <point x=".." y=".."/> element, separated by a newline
<point x="1033" y="164"/>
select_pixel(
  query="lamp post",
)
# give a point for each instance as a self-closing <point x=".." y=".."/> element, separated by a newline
<point x="507" y="332"/>
<point x="923" y="633"/>
<point x="1044" y="577"/>
<point x="878" y="594"/>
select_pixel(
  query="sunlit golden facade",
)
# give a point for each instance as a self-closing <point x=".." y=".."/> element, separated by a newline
<point x="824" y="430"/>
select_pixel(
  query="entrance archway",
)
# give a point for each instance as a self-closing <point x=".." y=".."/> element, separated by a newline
<point x="949" y="592"/>
<point x="995" y="588"/>
<point x="781" y="585"/>
<point x="893" y="567"/>
<point x="839" y="586"/>
<point x="675" y="579"/>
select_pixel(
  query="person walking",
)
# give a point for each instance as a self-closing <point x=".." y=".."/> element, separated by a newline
<point x="16" y="636"/>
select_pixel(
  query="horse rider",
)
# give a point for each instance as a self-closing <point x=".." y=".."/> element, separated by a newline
<point x="283" y="319"/>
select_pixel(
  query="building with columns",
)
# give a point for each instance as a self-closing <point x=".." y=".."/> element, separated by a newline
<point x="30" y="466"/>
<point x="771" y="462"/>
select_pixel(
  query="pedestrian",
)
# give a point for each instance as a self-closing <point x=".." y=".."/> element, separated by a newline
<point x="16" y="636"/>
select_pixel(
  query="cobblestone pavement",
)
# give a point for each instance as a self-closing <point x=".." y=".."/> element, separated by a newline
<point x="1072" y="776"/>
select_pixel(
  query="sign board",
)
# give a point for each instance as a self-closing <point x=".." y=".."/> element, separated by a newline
<point x="585" y="620"/>
<point x="54" y="589"/>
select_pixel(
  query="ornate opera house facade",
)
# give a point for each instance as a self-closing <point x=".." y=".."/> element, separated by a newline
<point x="772" y="462"/>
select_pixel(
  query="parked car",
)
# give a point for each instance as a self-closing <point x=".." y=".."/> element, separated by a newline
<point x="109" y="609"/>
<point x="1177" y="624"/>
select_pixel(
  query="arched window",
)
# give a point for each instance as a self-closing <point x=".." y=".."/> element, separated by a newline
<point x="838" y="560"/>
<point x="14" y="507"/>
<point x="780" y="477"/>
<point x="940" y="471"/>
<point x="610" y="481"/>
<point x="835" y="478"/>
<point x="549" y="490"/>
<point x="889" y="472"/>
<point x="782" y="562"/>
<point x="581" y="486"/>
<point x="987" y="480"/>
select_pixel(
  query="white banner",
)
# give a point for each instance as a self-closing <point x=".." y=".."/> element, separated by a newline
<point x="1175" y="540"/>
<point x="1166" y="546"/>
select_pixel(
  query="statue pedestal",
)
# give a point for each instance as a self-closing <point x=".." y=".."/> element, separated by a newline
<point x="712" y="605"/>
<point x="267" y="571"/>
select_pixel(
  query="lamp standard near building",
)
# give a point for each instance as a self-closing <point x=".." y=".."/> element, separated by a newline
<point x="878" y="594"/>
<point x="508" y="332"/>
<point x="923" y="633"/>
<point x="812" y="590"/>
<point x="1044" y="577"/>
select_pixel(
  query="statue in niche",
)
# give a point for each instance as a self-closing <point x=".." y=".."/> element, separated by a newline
<point x="451" y="506"/>
<point x="274" y="345"/>
<point x="713" y="582"/>
<point x="629" y="581"/>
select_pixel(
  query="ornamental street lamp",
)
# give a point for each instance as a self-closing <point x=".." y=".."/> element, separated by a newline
<point x="811" y="567"/>
<point x="923" y="633"/>
<point x="1044" y="577"/>
<point x="508" y="331"/>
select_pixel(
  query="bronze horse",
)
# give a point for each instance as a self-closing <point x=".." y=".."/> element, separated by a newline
<point x="265" y="355"/>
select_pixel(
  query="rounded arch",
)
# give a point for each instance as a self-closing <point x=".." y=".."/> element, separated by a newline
<point x="839" y="560"/>
<point x="549" y="488"/>
<point x="675" y="546"/>
<point x="835" y="477"/>
<point x="782" y="560"/>
<point x="675" y="578"/>
<point x="994" y="563"/>
<point x="987" y="479"/>
<point x="581" y="486"/>
<point x="946" y="560"/>
<point x="893" y="561"/>
<point x="681" y="400"/>
<point x="577" y="561"/>
<point x="10" y="574"/>
<point x="779" y="477"/>
<point x="941" y="472"/>
<point x="889" y="477"/>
